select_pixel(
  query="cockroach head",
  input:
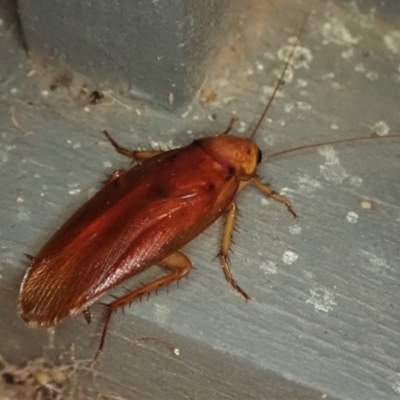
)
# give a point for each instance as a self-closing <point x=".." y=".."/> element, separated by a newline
<point x="240" y="155"/>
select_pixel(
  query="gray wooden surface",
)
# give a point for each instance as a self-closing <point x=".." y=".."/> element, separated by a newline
<point x="324" y="319"/>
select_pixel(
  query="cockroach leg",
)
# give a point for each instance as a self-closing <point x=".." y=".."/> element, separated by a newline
<point x="178" y="262"/>
<point x="230" y="126"/>
<point x="273" y="195"/>
<point x="135" y="154"/>
<point x="87" y="314"/>
<point x="226" y="241"/>
<point x="29" y="257"/>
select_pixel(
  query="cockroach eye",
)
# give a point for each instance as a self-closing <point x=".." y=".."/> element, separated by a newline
<point x="259" y="156"/>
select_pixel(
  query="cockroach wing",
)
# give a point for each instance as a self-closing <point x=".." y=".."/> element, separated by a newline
<point x="133" y="222"/>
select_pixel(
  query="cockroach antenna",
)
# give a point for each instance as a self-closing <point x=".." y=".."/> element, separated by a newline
<point x="281" y="78"/>
<point x="329" y="143"/>
<point x="277" y="86"/>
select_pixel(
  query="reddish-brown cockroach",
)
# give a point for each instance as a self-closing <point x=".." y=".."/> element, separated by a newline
<point x="142" y="217"/>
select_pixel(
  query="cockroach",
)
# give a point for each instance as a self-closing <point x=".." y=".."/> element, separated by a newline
<point x="142" y="217"/>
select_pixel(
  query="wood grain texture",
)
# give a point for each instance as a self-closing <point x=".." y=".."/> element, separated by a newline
<point x="324" y="312"/>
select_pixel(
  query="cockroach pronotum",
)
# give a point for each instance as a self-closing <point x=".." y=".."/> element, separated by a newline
<point x="142" y="217"/>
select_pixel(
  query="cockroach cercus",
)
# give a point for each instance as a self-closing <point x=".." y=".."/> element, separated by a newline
<point x="142" y="217"/>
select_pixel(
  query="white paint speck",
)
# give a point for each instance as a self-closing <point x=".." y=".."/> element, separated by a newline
<point x="302" y="83"/>
<point x="107" y="164"/>
<point x="322" y="300"/>
<point x="155" y="145"/>
<point x="269" y="139"/>
<point x="3" y="156"/>
<point x="87" y="109"/>
<point x="336" y="32"/>
<point x="372" y="75"/>
<point x="378" y="261"/>
<point x="177" y="351"/>
<point x="45" y="93"/>
<point x="295" y="229"/>
<point x="268" y="267"/>
<point x="259" y="66"/>
<point x="392" y="41"/>
<point x="360" y="68"/>
<point x="302" y="56"/>
<point x="334" y="127"/>
<point x="284" y="191"/>
<point x="396" y="386"/>
<point x="302" y="105"/>
<point x="331" y="169"/>
<point x="346" y="54"/>
<point x="355" y="181"/>
<point x="289" y="257"/>
<point x="381" y="128"/>
<point x="268" y="90"/>
<point x="20" y="200"/>
<point x="287" y="77"/>
<point x="14" y="90"/>
<point x="375" y="263"/>
<point x="288" y="107"/>
<point x="187" y="112"/>
<point x="242" y="127"/>
<point x="73" y="189"/>
<point x="170" y="98"/>
<point x="264" y="201"/>
<point x="307" y="184"/>
<point x="51" y="335"/>
<point x="352" y="217"/>
<point x="76" y="145"/>
<point x="366" y="19"/>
